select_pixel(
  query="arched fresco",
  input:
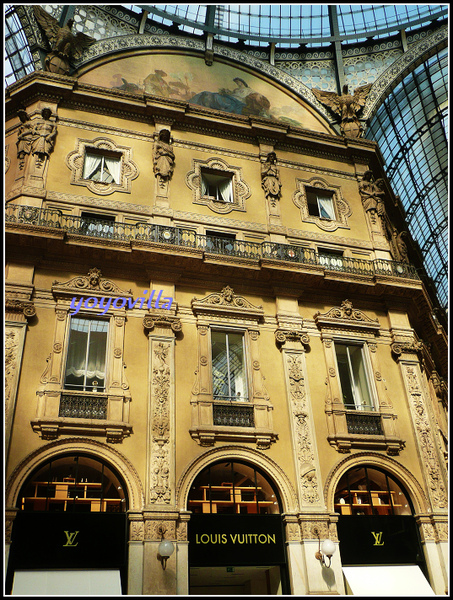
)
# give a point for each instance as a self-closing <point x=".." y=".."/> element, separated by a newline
<point x="220" y="87"/>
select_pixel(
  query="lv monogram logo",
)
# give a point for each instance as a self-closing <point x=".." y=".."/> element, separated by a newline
<point x="70" y="538"/>
<point x="377" y="538"/>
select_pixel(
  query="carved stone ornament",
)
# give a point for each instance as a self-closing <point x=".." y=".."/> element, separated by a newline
<point x="64" y="44"/>
<point x="128" y="170"/>
<point x="413" y="347"/>
<point x="284" y="335"/>
<point x="13" y="305"/>
<point x="151" y="321"/>
<point x="347" y="106"/>
<point x="164" y="157"/>
<point x="226" y="301"/>
<point x="270" y="178"/>
<point x="90" y="283"/>
<point x="347" y="316"/>
<point x="340" y="204"/>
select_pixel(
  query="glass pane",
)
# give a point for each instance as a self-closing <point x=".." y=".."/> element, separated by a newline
<point x="400" y="502"/>
<point x="362" y="392"/>
<point x="85" y="366"/>
<point x="345" y="376"/>
<point x="220" y="381"/>
<point x="238" y="385"/>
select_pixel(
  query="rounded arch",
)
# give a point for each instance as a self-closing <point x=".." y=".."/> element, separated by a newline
<point x="80" y="445"/>
<point x="266" y="465"/>
<point x="373" y="459"/>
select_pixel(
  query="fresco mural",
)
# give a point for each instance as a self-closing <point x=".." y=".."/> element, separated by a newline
<point x="218" y="87"/>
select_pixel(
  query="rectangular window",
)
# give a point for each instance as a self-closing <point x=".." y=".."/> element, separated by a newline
<point x="354" y="381"/>
<point x="320" y="204"/>
<point x="217" y="185"/>
<point x="104" y="167"/>
<point x="228" y="366"/>
<point x="86" y="361"/>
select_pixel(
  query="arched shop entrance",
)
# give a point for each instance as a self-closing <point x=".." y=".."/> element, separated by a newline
<point x="69" y="535"/>
<point x="236" y="537"/>
<point x="379" y="538"/>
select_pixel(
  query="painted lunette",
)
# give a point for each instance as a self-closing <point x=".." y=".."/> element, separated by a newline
<point x="105" y="303"/>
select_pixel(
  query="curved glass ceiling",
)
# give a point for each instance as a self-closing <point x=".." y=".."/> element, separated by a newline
<point x="295" y="23"/>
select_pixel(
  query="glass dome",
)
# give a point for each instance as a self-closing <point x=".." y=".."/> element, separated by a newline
<point x="323" y="46"/>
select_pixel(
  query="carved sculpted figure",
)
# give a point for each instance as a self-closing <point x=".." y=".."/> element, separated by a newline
<point x="270" y="178"/>
<point x="44" y="133"/>
<point x="346" y="106"/>
<point x="372" y="193"/>
<point x="25" y="135"/>
<point x="64" y="44"/>
<point x="164" y="157"/>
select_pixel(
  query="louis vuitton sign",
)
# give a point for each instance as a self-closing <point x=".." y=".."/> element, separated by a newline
<point x="216" y="540"/>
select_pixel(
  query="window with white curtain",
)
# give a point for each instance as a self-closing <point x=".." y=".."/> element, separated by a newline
<point x="320" y="204"/>
<point x="86" y="358"/>
<point x="217" y="185"/>
<point x="354" y="378"/>
<point x="102" y="167"/>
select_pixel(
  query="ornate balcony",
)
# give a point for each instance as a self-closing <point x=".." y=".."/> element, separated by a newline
<point x="30" y="218"/>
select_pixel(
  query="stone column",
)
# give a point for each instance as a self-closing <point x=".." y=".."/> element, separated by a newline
<point x="160" y="516"/>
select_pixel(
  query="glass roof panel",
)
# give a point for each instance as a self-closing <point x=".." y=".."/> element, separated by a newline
<point x="409" y="128"/>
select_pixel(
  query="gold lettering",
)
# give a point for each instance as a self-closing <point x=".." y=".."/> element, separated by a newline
<point x="205" y="535"/>
<point x="70" y="538"/>
<point x="233" y="537"/>
<point x="262" y="536"/>
<point x="377" y="538"/>
<point x="224" y="538"/>
<point x="271" y="538"/>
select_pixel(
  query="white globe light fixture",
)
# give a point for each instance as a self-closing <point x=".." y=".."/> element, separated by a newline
<point x="165" y="550"/>
<point x="325" y="550"/>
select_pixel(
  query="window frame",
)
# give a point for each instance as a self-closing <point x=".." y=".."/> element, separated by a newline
<point x="228" y="332"/>
<point x="317" y="186"/>
<point x="353" y="384"/>
<point x="90" y="319"/>
<point x="105" y="147"/>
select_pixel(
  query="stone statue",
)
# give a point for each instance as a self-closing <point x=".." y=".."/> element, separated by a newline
<point x="24" y="136"/>
<point x="372" y="193"/>
<point x="164" y="157"/>
<point x="44" y="133"/>
<point x="270" y="178"/>
<point x="347" y="106"/>
<point x="65" y="46"/>
<point x="400" y="245"/>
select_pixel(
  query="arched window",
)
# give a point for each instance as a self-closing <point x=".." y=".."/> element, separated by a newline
<point x="74" y="483"/>
<point x="367" y="490"/>
<point x="233" y="488"/>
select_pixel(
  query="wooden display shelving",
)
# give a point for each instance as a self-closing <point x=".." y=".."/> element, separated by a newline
<point x="225" y="496"/>
<point x="380" y="502"/>
<point x="61" y="493"/>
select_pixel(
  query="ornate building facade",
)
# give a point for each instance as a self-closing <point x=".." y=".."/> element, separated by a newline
<point x="219" y="349"/>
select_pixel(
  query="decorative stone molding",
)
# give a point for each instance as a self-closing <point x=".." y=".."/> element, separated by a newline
<point x="424" y="434"/>
<point x="241" y="190"/>
<point x="228" y="303"/>
<point x="90" y="283"/>
<point x="160" y="321"/>
<point x="295" y="335"/>
<point x="342" y="208"/>
<point x="75" y="161"/>
<point x="22" y="308"/>
<point x="346" y="316"/>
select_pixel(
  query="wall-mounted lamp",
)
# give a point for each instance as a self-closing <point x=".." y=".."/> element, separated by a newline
<point x="325" y="550"/>
<point x="165" y="549"/>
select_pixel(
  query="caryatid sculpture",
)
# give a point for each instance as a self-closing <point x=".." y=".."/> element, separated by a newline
<point x="270" y="178"/>
<point x="164" y="157"/>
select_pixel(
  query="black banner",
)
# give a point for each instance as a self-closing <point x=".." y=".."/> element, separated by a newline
<point x="68" y="540"/>
<point x="225" y="540"/>
<point x="379" y="540"/>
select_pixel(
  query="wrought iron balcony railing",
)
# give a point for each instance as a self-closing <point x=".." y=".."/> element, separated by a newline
<point x="83" y="407"/>
<point x="363" y="423"/>
<point x="188" y="238"/>
<point x="233" y="414"/>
